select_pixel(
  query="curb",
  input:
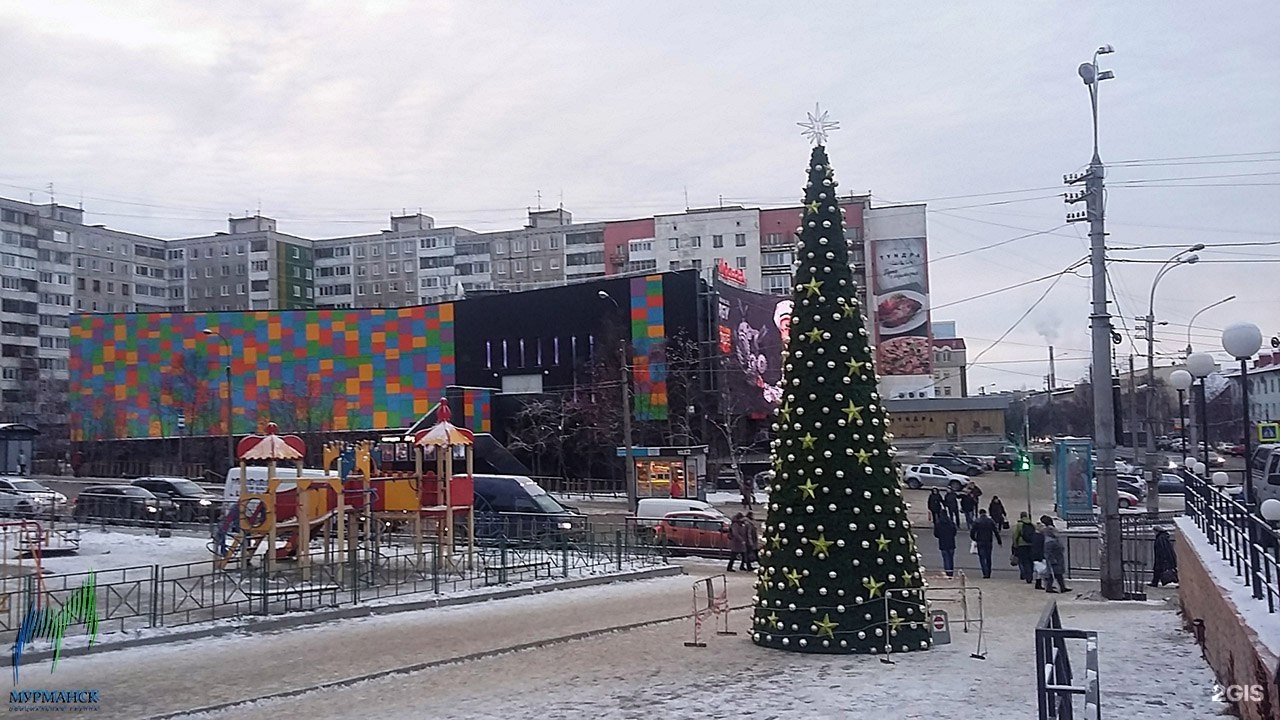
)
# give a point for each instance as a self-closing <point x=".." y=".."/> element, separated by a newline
<point x="253" y="625"/>
<point x="419" y="667"/>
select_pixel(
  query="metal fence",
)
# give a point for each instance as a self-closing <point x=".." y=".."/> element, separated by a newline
<point x="387" y="564"/>
<point x="1244" y="540"/>
<point x="1055" y="681"/>
<point x="1083" y="549"/>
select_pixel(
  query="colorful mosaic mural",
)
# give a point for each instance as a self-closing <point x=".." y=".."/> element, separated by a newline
<point x="648" y="348"/>
<point x="477" y="409"/>
<point x="147" y="375"/>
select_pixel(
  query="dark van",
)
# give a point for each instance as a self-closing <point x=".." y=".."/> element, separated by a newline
<point x="516" y="508"/>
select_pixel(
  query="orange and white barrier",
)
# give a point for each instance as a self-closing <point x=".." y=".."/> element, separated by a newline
<point x="710" y="601"/>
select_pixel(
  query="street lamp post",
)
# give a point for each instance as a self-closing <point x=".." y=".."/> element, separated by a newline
<point x="1202" y="365"/>
<point x="629" y="471"/>
<point x="1201" y="311"/>
<point x="231" y="444"/>
<point x="1242" y="341"/>
<point x="1185" y="257"/>
<point x="1182" y="381"/>
<point x="1110" y="570"/>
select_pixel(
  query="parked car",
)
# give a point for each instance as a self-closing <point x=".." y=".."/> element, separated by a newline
<point x="1005" y="461"/>
<point x="515" y="507"/>
<point x="978" y="460"/>
<point x="930" y="475"/>
<point x="763" y="479"/>
<point x="1216" y="460"/>
<point x="1126" y="500"/>
<point x="194" y="503"/>
<point x="1164" y="442"/>
<point x="955" y="464"/>
<point x="693" y="530"/>
<point x="650" y="511"/>
<point x="1237" y="450"/>
<point x="729" y="478"/>
<point x="1133" y="486"/>
<point x="122" y="502"/>
<point x="24" y="498"/>
<point x="1170" y="484"/>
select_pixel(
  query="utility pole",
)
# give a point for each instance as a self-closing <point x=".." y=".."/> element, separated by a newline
<point x="1152" y="460"/>
<point x="630" y="469"/>
<point x="1133" y="411"/>
<point x="1110" y="566"/>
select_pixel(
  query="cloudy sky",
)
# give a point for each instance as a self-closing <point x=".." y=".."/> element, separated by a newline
<point x="165" y="117"/>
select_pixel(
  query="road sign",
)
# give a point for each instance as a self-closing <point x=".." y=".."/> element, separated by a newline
<point x="940" y="627"/>
<point x="1268" y="432"/>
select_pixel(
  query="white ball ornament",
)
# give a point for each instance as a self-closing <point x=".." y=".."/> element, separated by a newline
<point x="862" y="635"/>
<point x="844" y="643"/>
<point x="804" y="642"/>
<point x="786" y="641"/>
<point x="832" y="507"/>
<point x="832" y="574"/>
<point x="840" y="542"/>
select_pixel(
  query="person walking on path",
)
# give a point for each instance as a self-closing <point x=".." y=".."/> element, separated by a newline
<point x="748" y="492"/>
<point x="953" y="506"/>
<point x="1048" y="464"/>
<point x="1055" y="560"/>
<point x="945" y="531"/>
<point x="935" y="505"/>
<point x="984" y="534"/>
<point x="968" y="505"/>
<point x="1023" y="535"/>
<point x="997" y="512"/>
<point x="1164" y="569"/>
<point x="753" y="541"/>
<point x="1037" y="552"/>
<point x="738" y="538"/>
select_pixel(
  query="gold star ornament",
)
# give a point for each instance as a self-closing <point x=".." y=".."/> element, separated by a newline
<point x="873" y="586"/>
<point x="793" y="577"/>
<point x="813" y="287"/>
<point x="814" y="335"/>
<point x="882" y="543"/>
<point x="853" y="411"/>
<point x="812" y="207"/>
<point x="826" y="627"/>
<point x="821" y="545"/>
<point x="862" y="456"/>
<point x="806" y="442"/>
<point x="807" y="488"/>
<point x="855" y="367"/>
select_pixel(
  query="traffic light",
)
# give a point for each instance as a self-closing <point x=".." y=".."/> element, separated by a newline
<point x="1024" y="462"/>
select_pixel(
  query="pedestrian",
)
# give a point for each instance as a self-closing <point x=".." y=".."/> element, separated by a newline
<point x="1055" y="561"/>
<point x="984" y="534"/>
<point x="1038" y="566"/>
<point x="1023" y="535"/>
<point x="753" y="541"/>
<point x="935" y="505"/>
<point x="748" y="492"/>
<point x="22" y="463"/>
<point x="738" y="542"/>
<point x="1164" y="568"/>
<point x="953" y="506"/>
<point x="998" y="514"/>
<point x="1048" y="464"/>
<point x="945" y="531"/>
<point x="968" y="505"/>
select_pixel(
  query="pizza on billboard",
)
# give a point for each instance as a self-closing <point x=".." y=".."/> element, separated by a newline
<point x="900" y="298"/>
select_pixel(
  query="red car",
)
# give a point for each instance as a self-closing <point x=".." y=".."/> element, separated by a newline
<point x="694" y="530"/>
<point x="1127" y="500"/>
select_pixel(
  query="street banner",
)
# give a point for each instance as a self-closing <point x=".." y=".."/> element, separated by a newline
<point x="1073" y="477"/>
<point x="752" y="331"/>
<point x="900" y="307"/>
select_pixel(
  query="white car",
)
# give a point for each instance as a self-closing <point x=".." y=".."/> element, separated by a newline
<point x="23" y="497"/>
<point x="929" y="475"/>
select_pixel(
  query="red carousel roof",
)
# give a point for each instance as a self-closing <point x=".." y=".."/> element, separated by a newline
<point x="444" y="433"/>
<point x="271" y="446"/>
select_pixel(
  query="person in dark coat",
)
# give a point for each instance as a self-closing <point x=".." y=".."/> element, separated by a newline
<point x="1037" y="550"/>
<point x="1164" y="568"/>
<point x="985" y="533"/>
<point x="1055" y="558"/>
<point x="997" y="512"/>
<point x="968" y="506"/>
<point x="953" y="506"/>
<point x="945" y="531"/>
<point x="738" y="535"/>
<point x="753" y="541"/>
<point x="935" y="505"/>
<point x="1023" y="534"/>
<point x="748" y="490"/>
<point x="1048" y="464"/>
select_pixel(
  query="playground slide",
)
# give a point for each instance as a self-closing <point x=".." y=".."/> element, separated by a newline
<point x="223" y="545"/>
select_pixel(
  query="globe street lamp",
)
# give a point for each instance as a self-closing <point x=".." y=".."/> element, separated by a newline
<point x="1181" y="381"/>
<point x="231" y="445"/>
<point x="1184" y="257"/>
<point x="1242" y="341"/>
<point x="1202" y="365"/>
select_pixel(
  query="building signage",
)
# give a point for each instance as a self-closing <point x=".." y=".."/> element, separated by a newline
<point x="1073" y="478"/>
<point x="737" y="276"/>
<point x="900" y="307"/>
<point x="753" y="329"/>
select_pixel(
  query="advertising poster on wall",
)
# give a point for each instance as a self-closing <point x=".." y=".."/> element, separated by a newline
<point x="1073" y="478"/>
<point x="752" y="330"/>
<point x="900" y="307"/>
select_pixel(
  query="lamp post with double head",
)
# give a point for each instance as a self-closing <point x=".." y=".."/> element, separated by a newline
<point x="231" y="444"/>
<point x="1185" y="257"/>
<point x="629" y="470"/>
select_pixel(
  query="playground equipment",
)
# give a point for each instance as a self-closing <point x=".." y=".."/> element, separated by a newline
<point x="352" y="501"/>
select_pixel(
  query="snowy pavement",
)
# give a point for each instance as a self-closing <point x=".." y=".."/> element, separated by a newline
<point x="1150" y="667"/>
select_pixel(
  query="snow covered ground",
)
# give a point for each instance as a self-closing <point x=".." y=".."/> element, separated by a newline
<point x="122" y="547"/>
<point x="1151" y="669"/>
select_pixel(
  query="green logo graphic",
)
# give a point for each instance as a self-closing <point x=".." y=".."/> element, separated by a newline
<point x="43" y="623"/>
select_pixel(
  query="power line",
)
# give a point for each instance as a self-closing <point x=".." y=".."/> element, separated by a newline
<point x="1053" y="276"/>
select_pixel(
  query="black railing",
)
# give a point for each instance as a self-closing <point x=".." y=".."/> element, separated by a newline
<point x="1055" y="688"/>
<point x="1083" y="551"/>
<point x="1244" y="540"/>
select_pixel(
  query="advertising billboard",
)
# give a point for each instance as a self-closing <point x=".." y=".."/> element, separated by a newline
<point x="1073" y="478"/>
<point x="900" y="307"/>
<point x="751" y="331"/>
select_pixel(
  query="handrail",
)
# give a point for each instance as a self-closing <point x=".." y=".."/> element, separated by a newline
<point x="1245" y="541"/>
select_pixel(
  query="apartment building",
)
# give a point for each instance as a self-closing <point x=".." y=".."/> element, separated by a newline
<point x="251" y="267"/>
<point x="701" y="238"/>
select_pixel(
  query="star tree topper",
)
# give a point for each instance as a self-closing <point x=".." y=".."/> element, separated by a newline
<point x="817" y="126"/>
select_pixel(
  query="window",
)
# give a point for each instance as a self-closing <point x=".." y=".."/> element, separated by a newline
<point x="93" y="264"/>
<point x="777" y="284"/>
<point x="240" y="249"/>
<point x="555" y="263"/>
<point x="392" y="268"/>
<point x="111" y="287"/>
<point x="674" y="243"/>
<point x="360" y="289"/>
<point x="408" y="247"/>
<point x="946" y="390"/>
<point x="377" y="269"/>
<point x="226" y="271"/>
<point x="393" y="287"/>
<point x="295" y="252"/>
<point x="674" y="265"/>
<point x="375" y="251"/>
<point x="240" y="269"/>
<point x="535" y="245"/>
<point x="124" y="288"/>
<point x="240" y="289"/>
<point x="717" y="241"/>
<point x="79" y="283"/>
<point x="362" y="270"/>
<point x="408" y="266"/>
<point x="517" y="246"/>
<point x="359" y="251"/>
<point x="208" y="252"/>
<point x="740" y="240"/>
<point x="696" y="263"/>
<point x="554" y="243"/>
<point x="258" y="265"/>
<point x="393" y="248"/>
<point x="259" y="285"/>
<point x="741" y="261"/>
<point x="97" y="286"/>
<point x="208" y="272"/>
<point x="310" y="294"/>
<point x="225" y="291"/>
<point x="695" y="241"/>
<point x="517" y="266"/>
<point x="297" y="291"/>
<point x="641" y="246"/>
<point x="537" y="264"/>
<point x="377" y="288"/>
<point x="502" y="267"/>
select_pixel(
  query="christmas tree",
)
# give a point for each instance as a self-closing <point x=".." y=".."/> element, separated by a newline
<point x="839" y="571"/>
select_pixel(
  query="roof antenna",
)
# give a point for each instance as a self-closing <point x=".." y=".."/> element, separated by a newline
<point x="52" y="201"/>
<point x="686" y="197"/>
<point x="539" y="200"/>
<point x="722" y="201"/>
